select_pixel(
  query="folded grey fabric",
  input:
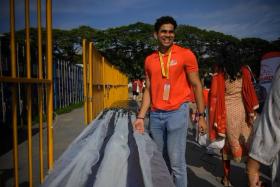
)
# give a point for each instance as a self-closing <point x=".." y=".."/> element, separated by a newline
<point x="109" y="154"/>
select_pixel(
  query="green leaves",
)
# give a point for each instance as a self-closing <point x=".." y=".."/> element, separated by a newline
<point x="127" y="46"/>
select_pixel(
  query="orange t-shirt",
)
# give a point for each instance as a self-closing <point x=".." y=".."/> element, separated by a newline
<point x="182" y="61"/>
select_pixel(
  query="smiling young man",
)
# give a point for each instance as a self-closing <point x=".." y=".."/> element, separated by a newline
<point x="170" y="73"/>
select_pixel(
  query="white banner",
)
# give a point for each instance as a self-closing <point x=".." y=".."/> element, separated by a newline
<point x="269" y="63"/>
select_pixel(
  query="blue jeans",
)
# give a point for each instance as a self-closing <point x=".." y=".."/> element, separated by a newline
<point x="169" y="130"/>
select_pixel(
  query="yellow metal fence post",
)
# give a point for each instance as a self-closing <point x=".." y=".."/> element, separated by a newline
<point x="50" y="86"/>
<point x="40" y="92"/>
<point x="14" y="95"/>
<point x="103" y="83"/>
<point x="28" y="95"/>
<point x="90" y="81"/>
<point x="85" y="54"/>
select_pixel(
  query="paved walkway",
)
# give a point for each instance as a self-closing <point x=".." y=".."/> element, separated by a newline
<point x="66" y="128"/>
<point x="203" y="170"/>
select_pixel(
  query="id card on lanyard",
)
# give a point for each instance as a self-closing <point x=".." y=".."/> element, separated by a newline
<point x="165" y="74"/>
<point x="166" y="91"/>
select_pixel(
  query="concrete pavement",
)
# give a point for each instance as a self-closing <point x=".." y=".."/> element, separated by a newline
<point x="65" y="128"/>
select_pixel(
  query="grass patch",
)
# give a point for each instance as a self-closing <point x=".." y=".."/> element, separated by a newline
<point x="69" y="108"/>
<point x="59" y="111"/>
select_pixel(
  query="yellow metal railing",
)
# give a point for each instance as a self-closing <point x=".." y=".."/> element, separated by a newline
<point x="14" y="80"/>
<point x="103" y="83"/>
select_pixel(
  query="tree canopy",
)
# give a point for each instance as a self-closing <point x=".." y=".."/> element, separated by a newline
<point x="127" y="46"/>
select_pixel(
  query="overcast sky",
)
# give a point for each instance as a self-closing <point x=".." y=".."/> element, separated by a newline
<point x="240" y="18"/>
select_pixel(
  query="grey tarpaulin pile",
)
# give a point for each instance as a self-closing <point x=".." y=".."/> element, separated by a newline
<point x="109" y="154"/>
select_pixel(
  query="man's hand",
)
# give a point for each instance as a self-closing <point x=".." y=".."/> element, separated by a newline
<point x="202" y="126"/>
<point x="138" y="126"/>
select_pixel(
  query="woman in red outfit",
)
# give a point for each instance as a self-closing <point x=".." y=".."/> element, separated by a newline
<point x="233" y="102"/>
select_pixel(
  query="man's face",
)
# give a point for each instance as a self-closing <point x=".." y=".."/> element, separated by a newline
<point x="165" y="35"/>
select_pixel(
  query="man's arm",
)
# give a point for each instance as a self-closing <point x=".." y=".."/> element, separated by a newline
<point x="138" y="124"/>
<point x="193" y="78"/>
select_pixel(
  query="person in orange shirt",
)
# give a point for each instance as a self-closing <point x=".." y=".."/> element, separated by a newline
<point x="170" y="71"/>
<point x="135" y="89"/>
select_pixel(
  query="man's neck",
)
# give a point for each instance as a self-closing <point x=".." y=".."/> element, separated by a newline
<point x="163" y="49"/>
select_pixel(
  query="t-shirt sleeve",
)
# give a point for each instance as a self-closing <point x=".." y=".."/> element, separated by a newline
<point x="190" y="61"/>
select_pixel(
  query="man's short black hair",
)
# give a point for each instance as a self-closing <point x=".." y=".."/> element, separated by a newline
<point x="164" y="20"/>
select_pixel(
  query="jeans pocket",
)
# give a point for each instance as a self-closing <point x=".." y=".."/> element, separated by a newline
<point x="184" y="106"/>
<point x="178" y="120"/>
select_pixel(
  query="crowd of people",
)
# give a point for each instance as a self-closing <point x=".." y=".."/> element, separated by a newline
<point x="173" y="87"/>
